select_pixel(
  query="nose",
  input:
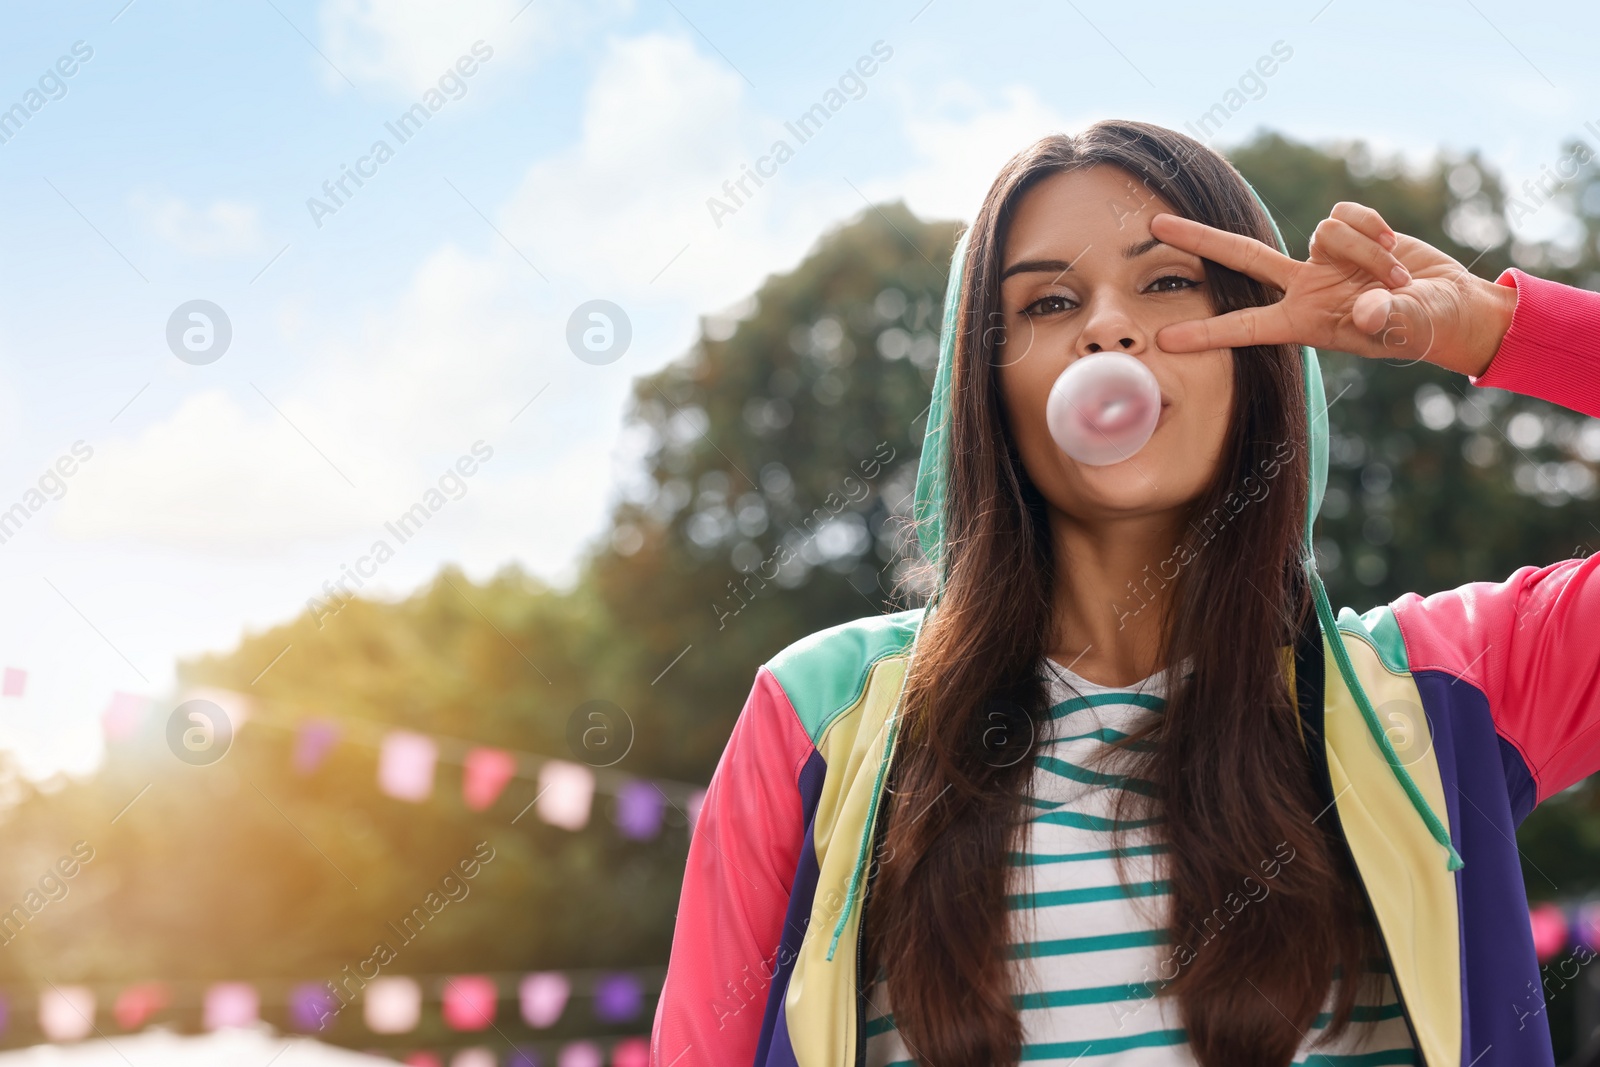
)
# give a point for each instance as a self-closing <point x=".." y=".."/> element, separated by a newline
<point x="1109" y="327"/>
<point x="1123" y="344"/>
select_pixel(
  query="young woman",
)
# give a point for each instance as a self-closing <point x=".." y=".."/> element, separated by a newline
<point x="1127" y="791"/>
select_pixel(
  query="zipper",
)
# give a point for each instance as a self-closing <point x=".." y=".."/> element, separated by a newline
<point x="863" y="991"/>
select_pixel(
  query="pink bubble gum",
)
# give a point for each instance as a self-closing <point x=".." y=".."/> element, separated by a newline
<point x="1103" y="408"/>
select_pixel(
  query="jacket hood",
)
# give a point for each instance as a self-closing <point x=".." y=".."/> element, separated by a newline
<point x="932" y="475"/>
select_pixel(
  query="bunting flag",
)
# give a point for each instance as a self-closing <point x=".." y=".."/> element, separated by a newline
<point x="393" y="1005"/>
<point x="405" y="765"/>
<point x="232" y="1004"/>
<point x="66" y="1013"/>
<point x="633" y="1052"/>
<point x="1586" y="927"/>
<point x="469" y="1002"/>
<point x="581" y="1054"/>
<point x="309" y="1004"/>
<point x="123" y="715"/>
<point x="618" y="998"/>
<point x="408" y="760"/>
<point x="312" y="744"/>
<point x="1549" y="931"/>
<point x="640" y="806"/>
<point x="544" y="997"/>
<point x="486" y="772"/>
<point x="474" y="1057"/>
<point x="135" y="1004"/>
<point x="423" y="1059"/>
<point x="565" y="792"/>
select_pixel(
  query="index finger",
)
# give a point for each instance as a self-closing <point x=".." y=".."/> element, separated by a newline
<point x="1266" y="325"/>
<point x="1243" y="254"/>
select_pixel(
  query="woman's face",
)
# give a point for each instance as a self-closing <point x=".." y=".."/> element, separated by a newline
<point x="1081" y="274"/>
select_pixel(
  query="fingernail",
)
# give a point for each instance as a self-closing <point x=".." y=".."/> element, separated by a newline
<point x="1399" y="276"/>
<point x="1387" y="239"/>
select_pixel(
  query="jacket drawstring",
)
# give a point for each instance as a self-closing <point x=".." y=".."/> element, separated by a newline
<point x="852" y="893"/>
<point x="1347" y="672"/>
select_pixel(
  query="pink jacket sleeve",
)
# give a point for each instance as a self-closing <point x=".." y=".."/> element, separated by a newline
<point x="742" y="859"/>
<point x="1531" y="643"/>
<point x="1552" y="350"/>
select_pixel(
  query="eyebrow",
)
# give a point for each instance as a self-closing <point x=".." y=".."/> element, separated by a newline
<point x="1061" y="266"/>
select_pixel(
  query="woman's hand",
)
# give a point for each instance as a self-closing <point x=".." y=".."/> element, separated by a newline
<point x="1365" y="289"/>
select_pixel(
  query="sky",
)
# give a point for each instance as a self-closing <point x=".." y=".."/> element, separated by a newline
<point x="397" y="314"/>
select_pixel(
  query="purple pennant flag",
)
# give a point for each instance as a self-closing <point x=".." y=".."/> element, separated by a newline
<point x="523" y="1057"/>
<point x="309" y="1003"/>
<point x="639" y="809"/>
<point x="316" y="739"/>
<point x="617" y="998"/>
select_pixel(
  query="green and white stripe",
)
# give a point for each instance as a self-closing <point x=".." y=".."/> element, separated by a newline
<point x="1089" y="948"/>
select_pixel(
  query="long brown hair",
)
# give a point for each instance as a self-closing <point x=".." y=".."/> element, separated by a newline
<point x="1231" y="777"/>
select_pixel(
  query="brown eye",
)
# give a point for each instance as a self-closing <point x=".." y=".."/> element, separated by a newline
<point x="1183" y="283"/>
<point x="1047" y="305"/>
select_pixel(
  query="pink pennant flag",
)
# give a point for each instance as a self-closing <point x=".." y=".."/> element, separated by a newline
<point x="580" y="1054"/>
<point x="137" y="1003"/>
<point x="473" y="1057"/>
<point x="405" y="765"/>
<point x="232" y="1004"/>
<point x="485" y="775"/>
<point x="544" y="996"/>
<point x="423" y="1059"/>
<point x="469" y="1001"/>
<point x="123" y="715"/>
<point x="393" y="1005"/>
<point x="66" y="1013"/>
<point x="313" y="743"/>
<point x="15" y="681"/>
<point x="1549" y="925"/>
<point x="631" y="1052"/>
<point x="565" y="792"/>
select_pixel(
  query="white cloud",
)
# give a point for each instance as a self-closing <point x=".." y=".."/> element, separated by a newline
<point x="664" y="126"/>
<point x="405" y="45"/>
<point x="246" y="469"/>
<point x="221" y="228"/>
<point x="393" y="399"/>
<point x="961" y="138"/>
<point x="213" y="474"/>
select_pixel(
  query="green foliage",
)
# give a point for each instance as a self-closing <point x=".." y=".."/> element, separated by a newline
<point x="781" y="462"/>
<point x="1433" y="481"/>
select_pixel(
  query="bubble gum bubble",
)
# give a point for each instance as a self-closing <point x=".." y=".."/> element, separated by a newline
<point x="1103" y="408"/>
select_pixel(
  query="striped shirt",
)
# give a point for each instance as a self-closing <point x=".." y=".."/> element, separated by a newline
<point x="1091" y="951"/>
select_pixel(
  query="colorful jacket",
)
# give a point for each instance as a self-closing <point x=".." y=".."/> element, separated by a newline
<point x="1434" y="726"/>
